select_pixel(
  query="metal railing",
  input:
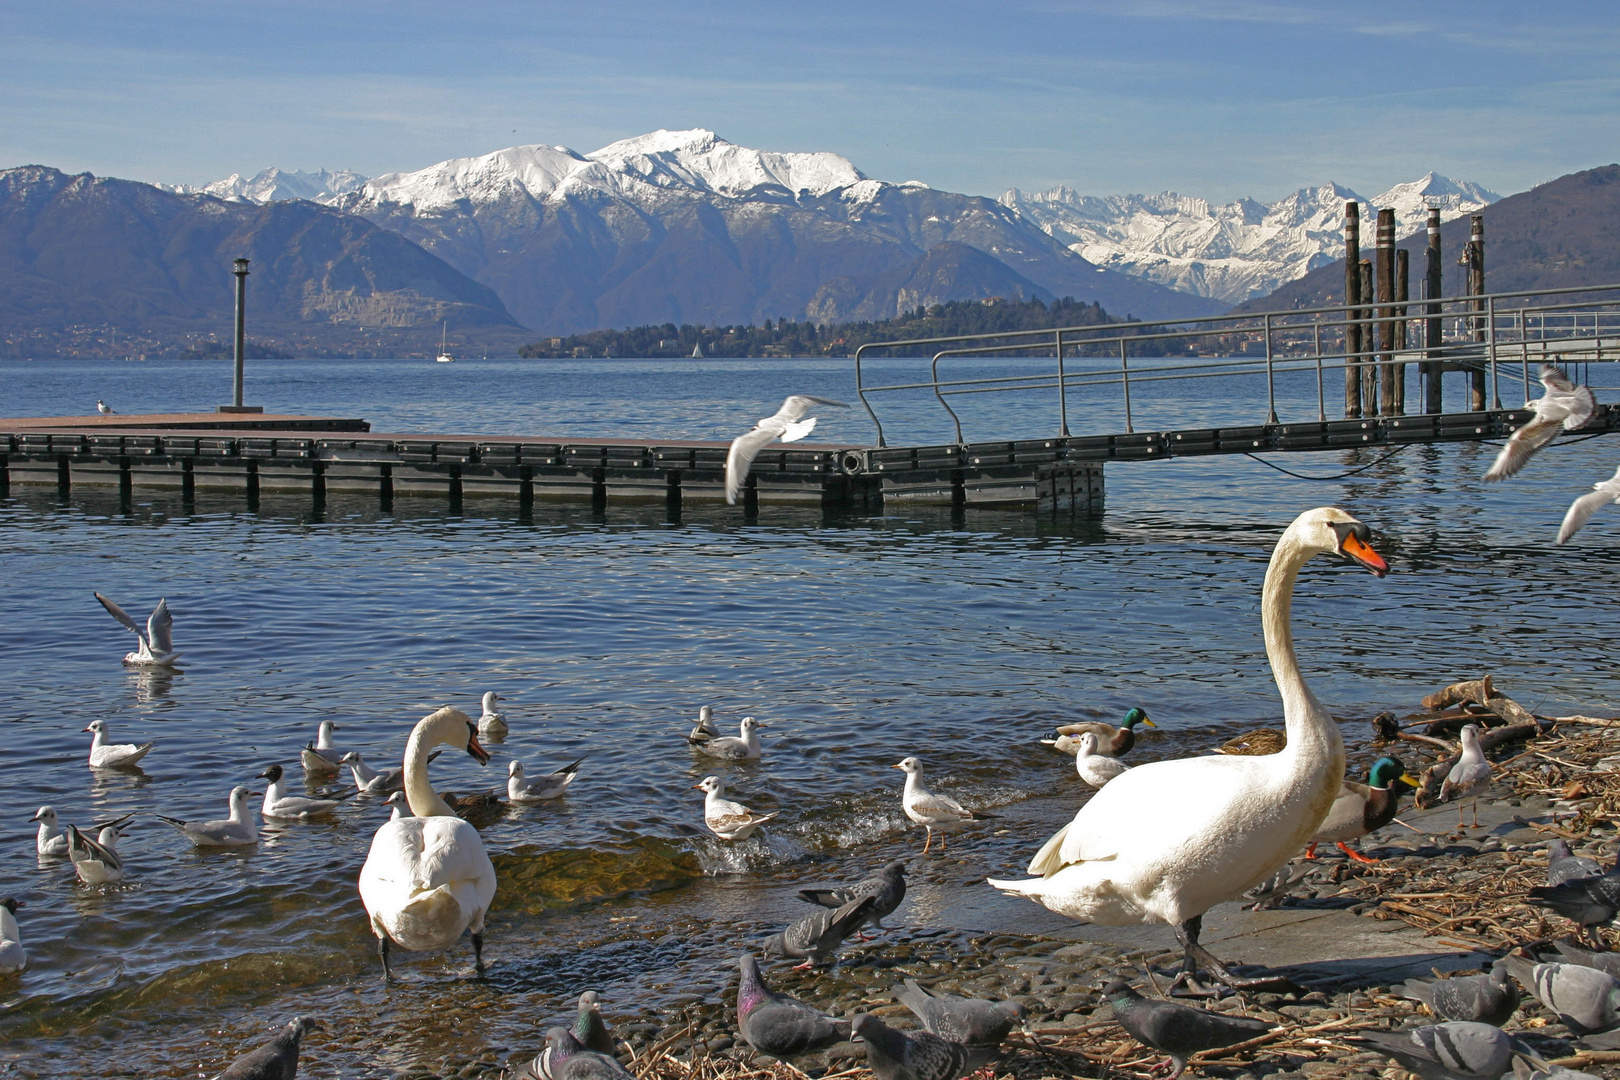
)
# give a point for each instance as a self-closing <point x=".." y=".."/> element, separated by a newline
<point x="1477" y="334"/>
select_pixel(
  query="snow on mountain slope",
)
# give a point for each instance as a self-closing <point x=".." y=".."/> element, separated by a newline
<point x="276" y="185"/>
<point x="1236" y="251"/>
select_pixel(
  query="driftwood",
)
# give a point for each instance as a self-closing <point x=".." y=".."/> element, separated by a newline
<point x="1478" y="691"/>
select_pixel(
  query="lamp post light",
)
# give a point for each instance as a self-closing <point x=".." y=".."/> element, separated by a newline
<point x="240" y="269"/>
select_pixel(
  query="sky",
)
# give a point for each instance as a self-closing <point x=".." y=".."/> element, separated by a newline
<point x="1220" y="99"/>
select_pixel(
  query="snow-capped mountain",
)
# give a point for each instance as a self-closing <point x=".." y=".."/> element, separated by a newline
<point x="277" y="185"/>
<point x="1238" y="250"/>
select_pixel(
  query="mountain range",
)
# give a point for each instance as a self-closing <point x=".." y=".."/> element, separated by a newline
<point x="1237" y="250"/>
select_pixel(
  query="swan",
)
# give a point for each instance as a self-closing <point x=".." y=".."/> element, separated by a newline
<point x="427" y="877"/>
<point x="784" y="425"/>
<point x="106" y="755"/>
<point x="1169" y="840"/>
<point x="12" y="957"/>
<point x="157" y="644"/>
<point x="492" y="723"/>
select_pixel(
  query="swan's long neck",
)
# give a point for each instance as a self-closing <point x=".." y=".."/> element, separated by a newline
<point x="1313" y="738"/>
<point x="425" y="802"/>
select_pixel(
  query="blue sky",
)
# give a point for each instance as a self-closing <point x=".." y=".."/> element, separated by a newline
<point x="1219" y="99"/>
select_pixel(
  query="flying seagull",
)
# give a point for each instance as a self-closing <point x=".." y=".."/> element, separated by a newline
<point x="1582" y="509"/>
<point x="1563" y="406"/>
<point x="785" y="425"/>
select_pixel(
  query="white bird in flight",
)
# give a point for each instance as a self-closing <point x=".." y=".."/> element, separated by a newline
<point x="157" y="644"/>
<point x="1563" y="406"/>
<point x="1582" y="509"/>
<point x="785" y="425"/>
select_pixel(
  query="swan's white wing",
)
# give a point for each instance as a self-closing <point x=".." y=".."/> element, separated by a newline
<point x="1048" y="860"/>
<point x="426" y="880"/>
<point x="160" y="629"/>
<point x="1523" y="443"/>
<point x="1582" y="509"/>
<point x="744" y="449"/>
<point x="120" y="614"/>
<point x="799" y="404"/>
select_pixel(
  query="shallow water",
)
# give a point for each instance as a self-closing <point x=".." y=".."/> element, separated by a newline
<point x="856" y="640"/>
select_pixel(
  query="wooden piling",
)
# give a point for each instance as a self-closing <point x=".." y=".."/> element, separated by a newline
<point x="1367" y="360"/>
<point x="1352" y="297"/>
<point x="1403" y="263"/>
<point x="1386" y="312"/>
<point x="1432" y="330"/>
<point x="1474" y="260"/>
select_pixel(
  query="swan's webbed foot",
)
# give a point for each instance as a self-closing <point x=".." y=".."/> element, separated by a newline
<point x="478" y="952"/>
<point x="382" y="951"/>
<point x="1196" y="956"/>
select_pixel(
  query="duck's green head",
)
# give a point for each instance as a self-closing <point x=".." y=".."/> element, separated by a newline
<point x="1389" y="770"/>
<point x="1137" y="716"/>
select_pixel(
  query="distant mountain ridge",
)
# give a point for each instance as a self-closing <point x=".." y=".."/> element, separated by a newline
<point x="276" y="185"/>
<point x="1234" y="251"/>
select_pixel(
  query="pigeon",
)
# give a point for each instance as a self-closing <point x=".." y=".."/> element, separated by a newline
<point x="276" y="1059"/>
<point x="12" y="957"/>
<point x="817" y="937"/>
<point x="727" y="819"/>
<point x="779" y="1026"/>
<point x="785" y="425"/>
<point x="1175" y="1029"/>
<point x="743" y="747"/>
<point x="1095" y="768"/>
<point x="566" y="1058"/>
<point x="492" y="722"/>
<point x="1487" y="999"/>
<point x="1454" y="1050"/>
<point x="1581" y="510"/>
<point x="279" y="806"/>
<point x="921" y="1055"/>
<point x="590" y="1029"/>
<point x="976" y="1023"/>
<point x="887" y="887"/>
<point x="550" y="786"/>
<point x="704" y="728"/>
<point x="103" y="408"/>
<point x="1588" y="901"/>
<point x="1602" y="961"/>
<point x="589" y="1034"/>
<point x="935" y="813"/>
<point x="238" y="830"/>
<point x="105" y="755"/>
<point x="1563" y="866"/>
<point x="157" y="643"/>
<point x="1469" y="777"/>
<point x="1562" y="406"/>
<point x="1584" y="998"/>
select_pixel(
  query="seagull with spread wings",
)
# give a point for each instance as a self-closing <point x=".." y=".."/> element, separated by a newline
<point x="1563" y="406"/>
<point x="157" y="643"/>
<point x="1582" y="509"/>
<point x="786" y="425"/>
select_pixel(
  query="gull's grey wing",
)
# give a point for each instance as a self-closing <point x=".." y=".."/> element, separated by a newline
<point x="744" y="449"/>
<point x="120" y="614"/>
<point x="1553" y="378"/>
<point x="798" y="404"/>
<point x="160" y="629"/>
<point x="1582" y="509"/>
<point x="1522" y="445"/>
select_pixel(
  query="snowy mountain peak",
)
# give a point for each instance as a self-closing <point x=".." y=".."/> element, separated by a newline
<point x="701" y="159"/>
<point x="276" y="185"/>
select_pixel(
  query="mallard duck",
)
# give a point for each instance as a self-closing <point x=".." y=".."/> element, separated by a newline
<point x="1111" y="741"/>
<point x="1362" y="808"/>
<point x="427" y="877"/>
<point x="1169" y="840"/>
<point x="1256" y="743"/>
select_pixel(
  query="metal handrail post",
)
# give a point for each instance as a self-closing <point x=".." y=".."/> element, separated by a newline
<point x="1063" y="392"/>
<point x="860" y="389"/>
<point x="1271" y="382"/>
<point x="934" y="371"/>
<point x="1321" y="392"/>
<point x="1125" y="380"/>
<point x="1490" y="349"/>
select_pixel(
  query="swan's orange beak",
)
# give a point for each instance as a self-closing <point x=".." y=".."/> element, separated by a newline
<point x="479" y="754"/>
<point x="1354" y="547"/>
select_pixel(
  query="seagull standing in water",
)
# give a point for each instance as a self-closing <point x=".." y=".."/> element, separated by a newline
<point x="785" y="425"/>
<point x="1563" y="406"/>
<point x="1582" y="509"/>
<point x="157" y="644"/>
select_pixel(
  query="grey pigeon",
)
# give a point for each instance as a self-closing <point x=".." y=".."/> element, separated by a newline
<point x="1584" y="998"/>
<point x="1179" y="1030"/>
<point x="1603" y="961"/>
<point x="1562" y="866"/>
<point x="887" y="887"/>
<point x="817" y="937"/>
<point x="590" y="1029"/>
<point x="1454" y="1050"/>
<point x="779" y="1026"/>
<point x="976" y="1023"/>
<point x="1488" y="999"/>
<point x="276" y="1059"/>
<point x="921" y="1055"/>
<point x="1588" y="901"/>
<point x="566" y="1058"/>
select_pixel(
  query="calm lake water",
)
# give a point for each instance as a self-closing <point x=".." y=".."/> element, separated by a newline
<point x="856" y="640"/>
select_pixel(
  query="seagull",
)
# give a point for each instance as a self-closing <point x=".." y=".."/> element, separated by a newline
<point x="887" y="887"/>
<point x="276" y="1059"/>
<point x="322" y="757"/>
<point x="817" y="937"/>
<point x="103" y="408"/>
<point x="492" y="722"/>
<point x="742" y="747"/>
<point x="401" y="805"/>
<point x="1490" y="998"/>
<point x="1563" y="406"/>
<point x="726" y="819"/>
<point x="1582" y="509"/>
<point x="12" y="957"/>
<point x="105" y="755"/>
<point x="779" y="1026"/>
<point x="1454" y="1050"/>
<point x="1095" y="768"/>
<point x="935" y="813"/>
<point x="279" y="806"/>
<point x="238" y="830"/>
<point x="370" y="780"/>
<point x="918" y="1055"/>
<point x="550" y="786"/>
<point x="96" y="861"/>
<point x="704" y="730"/>
<point x="157" y="644"/>
<point x="1178" y="1030"/>
<point x="50" y="840"/>
<point x="785" y="425"/>
<point x="1469" y="777"/>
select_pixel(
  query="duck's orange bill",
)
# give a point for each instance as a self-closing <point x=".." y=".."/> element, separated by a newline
<point x="1366" y="556"/>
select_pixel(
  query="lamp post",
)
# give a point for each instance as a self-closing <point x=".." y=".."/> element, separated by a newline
<point x="240" y="269"/>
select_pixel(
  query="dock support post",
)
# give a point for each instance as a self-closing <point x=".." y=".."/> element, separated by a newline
<point x="5" y="477"/>
<point x="1386" y="312"/>
<point x="125" y="483"/>
<point x="1063" y="392"/>
<point x="526" y="489"/>
<point x="317" y="485"/>
<point x="1433" y="331"/>
<point x="1367" y="361"/>
<point x="188" y="482"/>
<point x="1352" y="297"/>
<point x="64" y="477"/>
<point x="1403" y="268"/>
<point x="1271" y="382"/>
<point x="599" y="491"/>
<point x="455" y="490"/>
<point x="750" y="498"/>
<point x="672" y="495"/>
<point x="253" y="486"/>
<point x="385" y="489"/>
<point x="1474" y="260"/>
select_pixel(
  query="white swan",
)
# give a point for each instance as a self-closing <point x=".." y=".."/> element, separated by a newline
<point x="12" y="957"/>
<point x="238" y="830"/>
<point x="1166" y="841"/>
<point x="427" y="877"/>
<point x="492" y="723"/>
<point x="106" y="755"/>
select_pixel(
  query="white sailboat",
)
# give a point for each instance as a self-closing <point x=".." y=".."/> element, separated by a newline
<point x="697" y="351"/>
<point x="444" y="356"/>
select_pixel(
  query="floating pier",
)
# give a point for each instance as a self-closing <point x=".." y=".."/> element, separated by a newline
<point x="253" y="453"/>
